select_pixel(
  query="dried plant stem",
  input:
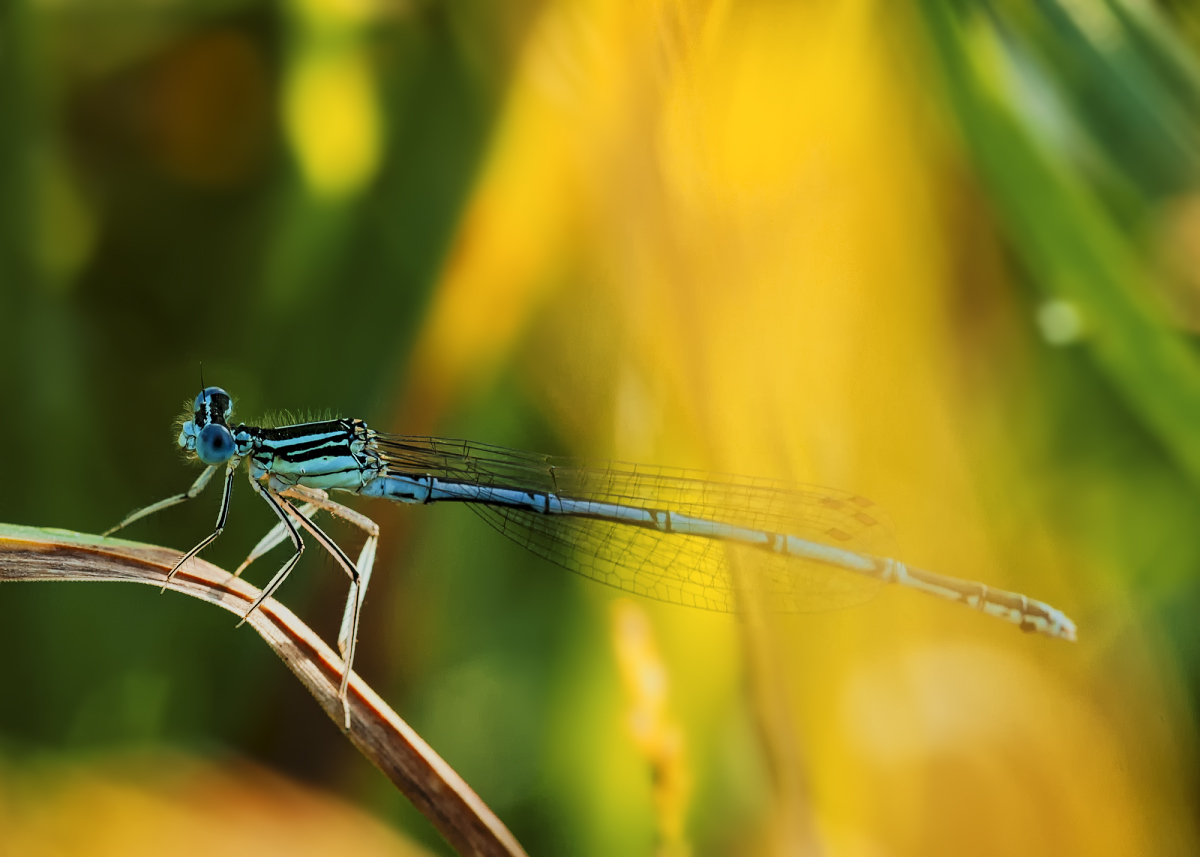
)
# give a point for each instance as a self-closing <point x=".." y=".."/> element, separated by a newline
<point x="28" y="553"/>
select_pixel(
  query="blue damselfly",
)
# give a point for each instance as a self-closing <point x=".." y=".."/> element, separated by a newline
<point x="663" y="533"/>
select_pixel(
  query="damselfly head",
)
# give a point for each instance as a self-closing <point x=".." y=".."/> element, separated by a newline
<point x="207" y="432"/>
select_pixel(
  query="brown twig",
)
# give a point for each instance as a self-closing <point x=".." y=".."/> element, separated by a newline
<point x="28" y="553"/>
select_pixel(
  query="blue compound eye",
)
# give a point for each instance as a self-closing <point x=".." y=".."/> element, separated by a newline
<point x="213" y="402"/>
<point x="215" y="444"/>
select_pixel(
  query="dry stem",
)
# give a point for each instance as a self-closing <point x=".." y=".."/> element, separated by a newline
<point x="28" y="553"/>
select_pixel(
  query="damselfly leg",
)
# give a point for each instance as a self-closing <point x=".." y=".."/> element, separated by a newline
<point x="280" y="509"/>
<point x="348" y="636"/>
<point x="222" y="516"/>
<point x="318" y="500"/>
<point x="190" y="494"/>
<point x="366" y="557"/>
<point x="273" y="538"/>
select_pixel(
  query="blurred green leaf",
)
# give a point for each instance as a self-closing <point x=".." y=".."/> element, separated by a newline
<point x="1075" y="248"/>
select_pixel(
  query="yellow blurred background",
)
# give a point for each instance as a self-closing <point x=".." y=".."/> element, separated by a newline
<point x="933" y="254"/>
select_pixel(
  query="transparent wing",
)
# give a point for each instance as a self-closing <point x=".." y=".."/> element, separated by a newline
<point x="680" y="569"/>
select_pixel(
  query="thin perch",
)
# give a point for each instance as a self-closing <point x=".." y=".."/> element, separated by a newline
<point x="28" y="553"/>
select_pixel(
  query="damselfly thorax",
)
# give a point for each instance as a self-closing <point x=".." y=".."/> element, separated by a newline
<point x="658" y="532"/>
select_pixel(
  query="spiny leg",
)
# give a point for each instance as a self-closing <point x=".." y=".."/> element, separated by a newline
<point x="222" y="514"/>
<point x="366" y="557"/>
<point x="297" y="543"/>
<point x="314" y="499"/>
<point x="354" y="605"/>
<point x="276" y="536"/>
<point x="199" y="485"/>
<point x="348" y="632"/>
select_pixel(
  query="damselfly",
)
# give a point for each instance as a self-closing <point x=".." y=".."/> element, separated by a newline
<point x="662" y="533"/>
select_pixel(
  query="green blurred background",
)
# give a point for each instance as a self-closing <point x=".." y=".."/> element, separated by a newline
<point x="275" y="192"/>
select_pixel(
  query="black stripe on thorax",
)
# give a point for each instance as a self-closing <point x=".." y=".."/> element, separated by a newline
<point x="283" y="434"/>
<point x="298" y="455"/>
<point x="304" y="442"/>
<point x="299" y="446"/>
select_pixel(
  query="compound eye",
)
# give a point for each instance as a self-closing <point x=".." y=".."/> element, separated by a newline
<point x="214" y="444"/>
<point x="215" y="397"/>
